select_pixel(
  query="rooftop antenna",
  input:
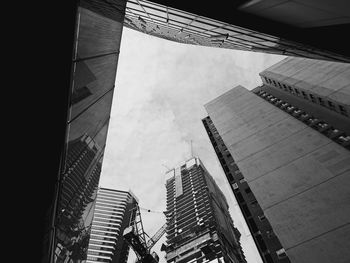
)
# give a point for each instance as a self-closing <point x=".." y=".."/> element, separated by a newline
<point x="191" y="150"/>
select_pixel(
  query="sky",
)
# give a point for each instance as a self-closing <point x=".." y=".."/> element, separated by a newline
<point x="158" y="104"/>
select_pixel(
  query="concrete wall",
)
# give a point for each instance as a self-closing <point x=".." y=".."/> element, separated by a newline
<point x="299" y="177"/>
<point x="328" y="80"/>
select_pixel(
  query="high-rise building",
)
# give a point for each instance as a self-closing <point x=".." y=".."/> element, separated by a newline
<point x="86" y="107"/>
<point x="181" y="23"/>
<point x="291" y="153"/>
<point x="320" y="88"/>
<point x="114" y="210"/>
<point x="266" y="241"/>
<point x="202" y="229"/>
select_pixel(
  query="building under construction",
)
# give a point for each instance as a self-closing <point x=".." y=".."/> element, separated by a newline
<point x="201" y="229"/>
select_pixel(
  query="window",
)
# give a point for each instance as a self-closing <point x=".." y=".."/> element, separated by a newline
<point x="321" y="101"/>
<point x="304" y="94"/>
<point x="290" y="89"/>
<point x="331" y="104"/>
<point x="312" y="97"/>
<point x="274" y="83"/>
<point x="281" y="253"/>
<point x="268" y="258"/>
<point x="239" y="197"/>
<point x="343" y="110"/>
<point x="270" y="233"/>
<point x="296" y="91"/>
<point x="254" y="203"/>
<point x="246" y="210"/>
<point x="261" y="242"/>
<point x="262" y="217"/>
<point x="253" y="226"/>
<point x="230" y="177"/>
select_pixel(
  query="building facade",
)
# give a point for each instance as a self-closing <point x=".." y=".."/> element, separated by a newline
<point x="320" y="88"/>
<point x="177" y="23"/>
<point x="296" y="164"/>
<point x="113" y="212"/>
<point x="87" y="105"/>
<point x="202" y="229"/>
<point x="267" y="243"/>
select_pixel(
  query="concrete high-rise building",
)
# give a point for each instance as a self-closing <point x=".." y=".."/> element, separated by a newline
<point x="320" y="88"/>
<point x="202" y="229"/>
<point x="290" y="143"/>
<point x="266" y="241"/>
<point x="197" y="26"/>
<point x="114" y="210"/>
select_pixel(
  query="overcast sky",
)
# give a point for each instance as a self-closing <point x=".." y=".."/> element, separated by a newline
<point x="161" y="87"/>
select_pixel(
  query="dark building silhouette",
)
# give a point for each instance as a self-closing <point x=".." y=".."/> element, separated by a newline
<point x="203" y="229"/>
<point x="114" y="211"/>
<point x="238" y="26"/>
<point x="285" y="151"/>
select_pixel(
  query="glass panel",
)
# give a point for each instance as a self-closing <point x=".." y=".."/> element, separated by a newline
<point x="157" y="18"/>
<point x="250" y="38"/>
<point x="138" y="13"/>
<point x="76" y="203"/>
<point x="92" y="78"/>
<point x="92" y="119"/>
<point x="155" y="12"/>
<point x="235" y="29"/>
<point x="210" y="22"/>
<point x="133" y="6"/>
<point x="196" y="25"/>
<point x="180" y="19"/>
<point x="97" y="34"/>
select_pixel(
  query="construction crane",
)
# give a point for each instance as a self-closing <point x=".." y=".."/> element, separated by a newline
<point x="136" y="237"/>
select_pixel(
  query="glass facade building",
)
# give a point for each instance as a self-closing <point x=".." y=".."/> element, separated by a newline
<point x="97" y="36"/>
<point x="76" y="203"/>
<point x="202" y="229"/>
<point x="184" y="27"/>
